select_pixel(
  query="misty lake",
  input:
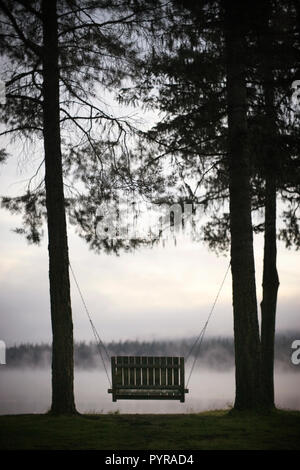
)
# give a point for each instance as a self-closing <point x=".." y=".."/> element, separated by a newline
<point x="28" y="390"/>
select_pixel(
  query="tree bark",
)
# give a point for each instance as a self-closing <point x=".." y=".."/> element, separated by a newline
<point x="270" y="290"/>
<point x="61" y="314"/>
<point x="246" y="329"/>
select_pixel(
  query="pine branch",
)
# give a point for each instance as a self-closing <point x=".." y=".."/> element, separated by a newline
<point x="27" y="42"/>
<point x="29" y="8"/>
<point x="24" y="97"/>
<point x="21" y="129"/>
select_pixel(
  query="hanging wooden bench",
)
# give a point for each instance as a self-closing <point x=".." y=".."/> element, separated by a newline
<point x="147" y="378"/>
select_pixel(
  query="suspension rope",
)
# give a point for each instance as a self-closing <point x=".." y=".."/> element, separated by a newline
<point x="200" y="337"/>
<point x="99" y="341"/>
<point x="196" y="345"/>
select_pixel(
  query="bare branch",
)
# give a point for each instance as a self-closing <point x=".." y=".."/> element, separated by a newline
<point x="35" y="174"/>
<point x="20" y="76"/>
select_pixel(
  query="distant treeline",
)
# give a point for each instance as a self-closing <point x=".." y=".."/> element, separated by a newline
<point x="215" y="353"/>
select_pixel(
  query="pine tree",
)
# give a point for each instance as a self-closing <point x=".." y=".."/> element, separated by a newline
<point x="57" y="55"/>
<point x="190" y="76"/>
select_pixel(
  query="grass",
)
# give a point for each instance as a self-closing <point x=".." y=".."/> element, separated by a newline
<point x="210" y="431"/>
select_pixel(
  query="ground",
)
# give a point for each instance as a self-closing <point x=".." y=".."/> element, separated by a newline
<point x="209" y="430"/>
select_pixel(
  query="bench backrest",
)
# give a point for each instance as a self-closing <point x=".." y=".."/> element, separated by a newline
<point x="148" y="373"/>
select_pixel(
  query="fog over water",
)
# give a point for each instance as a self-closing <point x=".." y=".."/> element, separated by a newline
<point x="28" y="390"/>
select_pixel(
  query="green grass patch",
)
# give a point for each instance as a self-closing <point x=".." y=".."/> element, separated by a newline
<point x="208" y="431"/>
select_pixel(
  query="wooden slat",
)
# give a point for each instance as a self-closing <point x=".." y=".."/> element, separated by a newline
<point x="131" y="371"/>
<point x="169" y="364"/>
<point x="176" y="371"/>
<point x="169" y="371"/>
<point x="147" y="366"/>
<point x="147" y="397"/>
<point x="163" y="371"/>
<point x="182" y="379"/>
<point x="138" y="371"/>
<point x="181" y="375"/>
<point x="144" y="370"/>
<point x="125" y="370"/>
<point x="150" y="371"/>
<point x="157" y="361"/>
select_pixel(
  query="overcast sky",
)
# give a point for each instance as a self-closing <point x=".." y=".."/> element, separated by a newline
<point x="151" y="294"/>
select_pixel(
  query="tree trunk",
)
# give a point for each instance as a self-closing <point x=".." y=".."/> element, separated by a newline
<point x="246" y="329"/>
<point x="269" y="301"/>
<point x="61" y="314"/>
<point x="270" y="166"/>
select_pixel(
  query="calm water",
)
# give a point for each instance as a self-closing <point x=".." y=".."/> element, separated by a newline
<point x="29" y="391"/>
